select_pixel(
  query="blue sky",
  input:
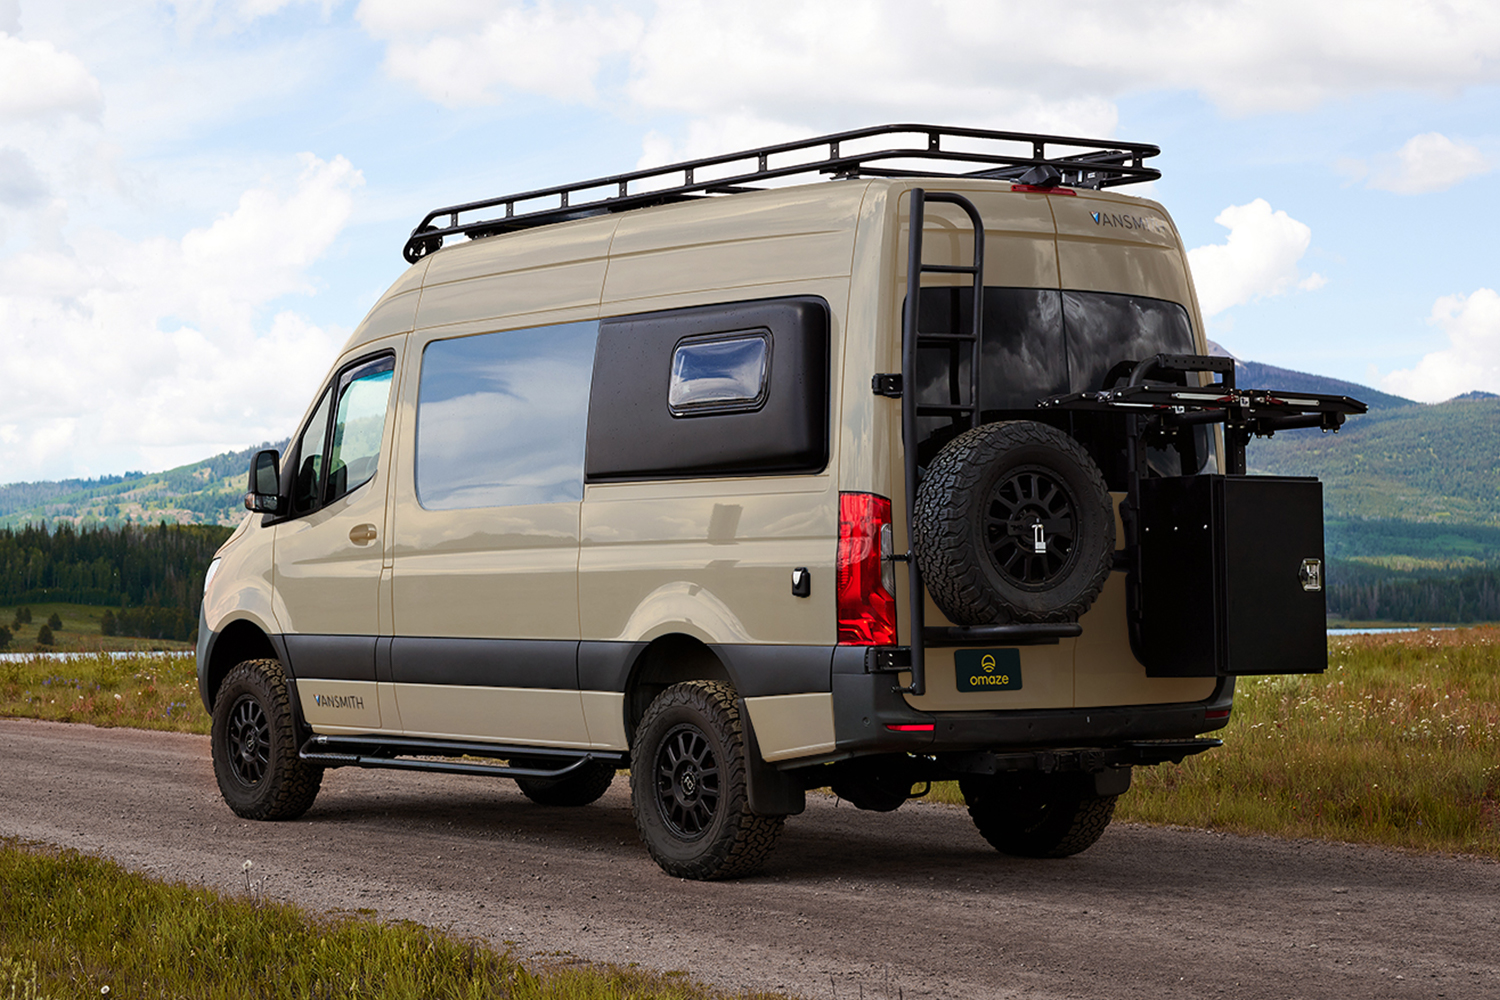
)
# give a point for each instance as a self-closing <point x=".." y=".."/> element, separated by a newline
<point x="200" y="199"/>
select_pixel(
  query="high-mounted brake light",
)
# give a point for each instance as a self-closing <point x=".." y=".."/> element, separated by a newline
<point x="867" y="607"/>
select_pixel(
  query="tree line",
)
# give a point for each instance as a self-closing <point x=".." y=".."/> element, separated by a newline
<point x="154" y="574"/>
<point x="1367" y="594"/>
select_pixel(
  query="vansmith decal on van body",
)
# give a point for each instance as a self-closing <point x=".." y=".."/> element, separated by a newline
<point x="1128" y="221"/>
<point x="339" y="701"/>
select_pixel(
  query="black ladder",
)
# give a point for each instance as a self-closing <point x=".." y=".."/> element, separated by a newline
<point x="913" y="340"/>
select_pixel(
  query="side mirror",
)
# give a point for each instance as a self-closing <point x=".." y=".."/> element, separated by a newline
<point x="265" y="483"/>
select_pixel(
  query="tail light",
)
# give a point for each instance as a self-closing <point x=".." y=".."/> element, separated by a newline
<point x="867" y="602"/>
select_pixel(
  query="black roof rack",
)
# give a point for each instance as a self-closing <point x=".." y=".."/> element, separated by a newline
<point x="900" y="151"/>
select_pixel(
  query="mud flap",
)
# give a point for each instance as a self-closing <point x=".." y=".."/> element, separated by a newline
<point x="771" y="792"/>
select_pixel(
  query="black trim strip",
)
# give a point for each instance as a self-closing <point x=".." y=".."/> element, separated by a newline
<point x="332" y="657"/>
<point x="516" y="663"/>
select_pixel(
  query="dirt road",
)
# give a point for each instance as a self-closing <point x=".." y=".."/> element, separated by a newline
<point x="853" y="904"/>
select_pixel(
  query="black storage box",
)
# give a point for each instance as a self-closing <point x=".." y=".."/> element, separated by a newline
<point x="1231" y="577"/>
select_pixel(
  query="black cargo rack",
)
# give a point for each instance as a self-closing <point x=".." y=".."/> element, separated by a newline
<point x="942" y="152"/>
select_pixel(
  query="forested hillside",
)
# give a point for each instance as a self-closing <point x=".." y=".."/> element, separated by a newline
<point x="154" y="574"/>
<point x="208" y="492"/>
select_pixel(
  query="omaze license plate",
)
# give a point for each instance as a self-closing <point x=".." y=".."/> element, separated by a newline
<point x="988" y="669"/>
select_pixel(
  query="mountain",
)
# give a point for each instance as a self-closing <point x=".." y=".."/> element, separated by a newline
<point x="208" y="492"/>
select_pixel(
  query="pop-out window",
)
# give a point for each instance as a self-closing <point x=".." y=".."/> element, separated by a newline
<point x="720" y="375"/>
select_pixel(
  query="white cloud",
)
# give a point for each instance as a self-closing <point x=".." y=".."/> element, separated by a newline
<point x="1429" y="162"/>
<point x="458" y="53"/>
<point x="1472" y="359"/>
<point x="38" y="81"/>
<point x="975" y="61"/>
<point x="1259" y="258"/>
<point x="20" y="185"/>
<point x="156" y="351"/>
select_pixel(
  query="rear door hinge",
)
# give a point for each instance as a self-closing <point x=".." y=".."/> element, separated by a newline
<point x="887" y="384"/>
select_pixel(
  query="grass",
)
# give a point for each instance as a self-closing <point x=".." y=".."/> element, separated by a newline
<point x="103" y="689"/>
<point x="79" y="634"/>
<point x="82" y="926"/>
<point x="1397" y="744"/>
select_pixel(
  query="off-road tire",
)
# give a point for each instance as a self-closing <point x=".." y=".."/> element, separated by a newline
<point x="580" y="788"/>
<point x="973" y="515"/>
<point x="1033" y="815"/>
<point x="254" y="739"/>
<point x="689" y="787"/>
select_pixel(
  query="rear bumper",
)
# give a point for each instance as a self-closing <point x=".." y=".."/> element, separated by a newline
<point x="867" y="707"/>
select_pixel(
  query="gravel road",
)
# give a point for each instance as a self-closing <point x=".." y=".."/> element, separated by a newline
<point x="852" y="904"/>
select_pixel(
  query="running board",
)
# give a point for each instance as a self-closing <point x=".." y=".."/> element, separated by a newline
<point x="397" y="752"/>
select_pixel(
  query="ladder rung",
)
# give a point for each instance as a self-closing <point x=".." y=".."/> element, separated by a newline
<point x="946" y="337"/>
<point x="939" y="409"/>
<point x="949" y="269"/>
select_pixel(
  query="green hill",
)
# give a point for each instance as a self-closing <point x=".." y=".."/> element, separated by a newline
<point x="1431" y="464"/>
<point x="208" y="492"/>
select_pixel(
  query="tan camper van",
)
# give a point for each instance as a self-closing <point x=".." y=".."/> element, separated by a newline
<point x="914" y="470"/>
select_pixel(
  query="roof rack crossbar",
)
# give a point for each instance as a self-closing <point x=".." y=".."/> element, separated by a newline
<point x="1103" y="163"/>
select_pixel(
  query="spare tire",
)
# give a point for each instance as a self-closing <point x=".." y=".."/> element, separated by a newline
<point x="1013" y="524"/>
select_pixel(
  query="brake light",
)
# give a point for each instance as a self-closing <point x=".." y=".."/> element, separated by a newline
<point x="910" y="727"/>
<point x="867" y="607"/>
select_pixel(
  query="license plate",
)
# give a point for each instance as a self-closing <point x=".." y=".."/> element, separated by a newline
<point x="988" y="669"/>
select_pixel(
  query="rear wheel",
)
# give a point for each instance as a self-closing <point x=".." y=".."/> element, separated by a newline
<point x="689" y="787"/>
<point x="254" y="740"/>
<point x="579" y="788"/>
<point x="1033" y="815"/>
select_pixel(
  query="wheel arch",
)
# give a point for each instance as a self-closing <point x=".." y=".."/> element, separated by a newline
<point x="240" y="640"/>
<point x="669" y="659"/>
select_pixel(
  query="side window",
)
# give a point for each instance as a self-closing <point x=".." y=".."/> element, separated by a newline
<point x="358" y="426"/>
<point x="719" y="374"/>
<point x="307" y="485"/>
<point x="331" y="465"/>
<point x="501" y="417"/>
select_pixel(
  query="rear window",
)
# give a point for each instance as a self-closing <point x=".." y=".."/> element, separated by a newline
<point x="1040" y="342"/>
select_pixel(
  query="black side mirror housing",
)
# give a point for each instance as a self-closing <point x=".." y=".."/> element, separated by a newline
<point x="264" y="496"/>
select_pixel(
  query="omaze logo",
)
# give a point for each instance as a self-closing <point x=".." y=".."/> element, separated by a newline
<point x="1145" y="223"/>
<point x="987" y="669"/>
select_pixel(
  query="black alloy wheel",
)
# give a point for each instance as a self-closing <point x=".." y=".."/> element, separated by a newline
<point x="687" y="782"/>
<point x="249" y="740"/>
<point x="1030" y="527"/>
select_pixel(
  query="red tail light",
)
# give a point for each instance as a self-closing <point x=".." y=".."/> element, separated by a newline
<point x="867" y="608"/>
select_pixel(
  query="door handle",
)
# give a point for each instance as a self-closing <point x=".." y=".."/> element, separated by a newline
<point x="362" y="534"/>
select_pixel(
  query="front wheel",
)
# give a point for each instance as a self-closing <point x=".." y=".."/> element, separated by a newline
<point x="254" y="739"/>
<point x="1032" y="815"/>
<point x="689" y="788"/>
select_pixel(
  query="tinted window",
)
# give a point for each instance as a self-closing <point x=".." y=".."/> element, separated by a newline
<point x="501" y="417"/>
<point x="307" y="485"/>
<point x="358" y="427"/>
<point x="1040" y="342"/>
<point x="1105" y="329"/>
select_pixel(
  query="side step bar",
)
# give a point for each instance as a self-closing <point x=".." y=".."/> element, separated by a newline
<point x="398" y="752"/>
